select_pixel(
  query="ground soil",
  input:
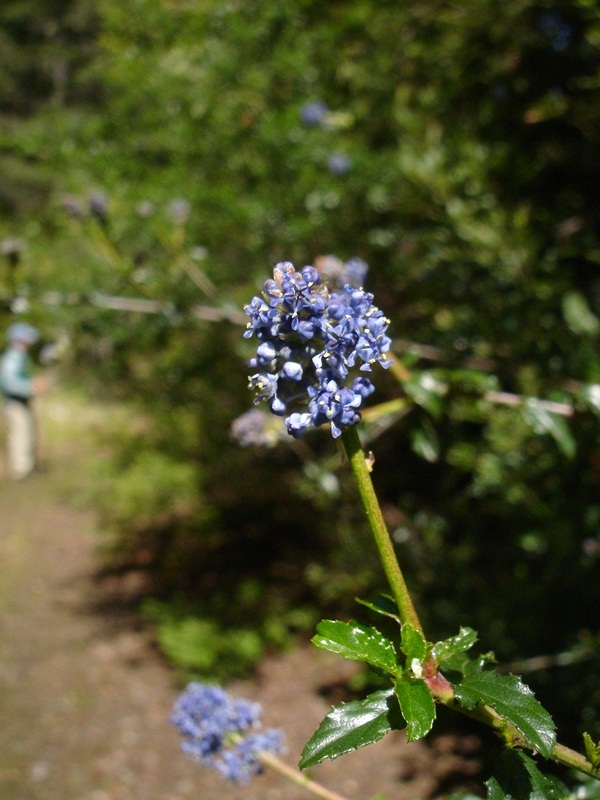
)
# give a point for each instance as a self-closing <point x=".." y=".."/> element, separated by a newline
<point x="85" y="695"/>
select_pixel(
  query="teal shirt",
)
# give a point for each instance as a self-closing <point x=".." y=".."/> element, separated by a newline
<point x="15" y="374"/>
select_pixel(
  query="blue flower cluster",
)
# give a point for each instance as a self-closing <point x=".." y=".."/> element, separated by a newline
<point x="257" y="428"/>
<point x="222" y="732"/>
<point x="314" y="112"/>
<point x="338" y="273"/>
<point x="339" y="163"/>
<point x="311" y="338"/>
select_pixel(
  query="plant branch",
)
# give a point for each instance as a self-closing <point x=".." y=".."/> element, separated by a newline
<point x="571" y="758"/>
<point x="379" y="529"/>
<point x="561" y="754"/>
<point x="294" y="775"/>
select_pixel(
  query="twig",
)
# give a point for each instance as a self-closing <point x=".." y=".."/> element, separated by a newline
<point x="537" y="663"/>
<point x="508" y="399"/>
<point x="198" y="277"/>
<point x="298" y="778"/>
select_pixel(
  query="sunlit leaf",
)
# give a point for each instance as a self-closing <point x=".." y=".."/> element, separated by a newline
<point x="358" y="642"/>
<point x="464" y="640"/>
<point x="417" y="706"/>
<point x="413" y="645"/>
<point x="353" y="725"/>
<point x="514" y="702"/>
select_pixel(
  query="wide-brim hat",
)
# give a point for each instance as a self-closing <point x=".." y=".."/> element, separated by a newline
<point x="22" y="332"/>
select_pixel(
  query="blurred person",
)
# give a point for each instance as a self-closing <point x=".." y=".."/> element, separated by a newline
<point x="18" y="388"/>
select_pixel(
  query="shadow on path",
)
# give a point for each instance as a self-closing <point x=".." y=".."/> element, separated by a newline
<point x="85" y="697"/>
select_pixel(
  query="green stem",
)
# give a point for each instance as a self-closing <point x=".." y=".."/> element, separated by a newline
<point x="570" y="758"/>
<point x="560" y="753"/>
<point x="374" y="413"/>
<point x="379" y="529"/>
<point x="269" y="760"/>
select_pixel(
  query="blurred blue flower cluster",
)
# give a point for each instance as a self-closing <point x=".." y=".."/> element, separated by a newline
<point x="223" y="732"/>
<point x="314" y="112"/>
<point x="338" y="273"/>
<point x="339" y="163"/>
<point x="310" y="340"/>
<point x="257" y="428"/>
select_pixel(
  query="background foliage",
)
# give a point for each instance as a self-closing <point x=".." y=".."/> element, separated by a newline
<point x="173" y="152"/>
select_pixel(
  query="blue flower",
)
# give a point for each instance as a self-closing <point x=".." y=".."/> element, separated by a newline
<point x="98" y="204"/>
<point x="222" y="732"/>
<point x="73" y="206"/>
<point x="297" y="424"/>
<point x="310" y="338"/>
<point x="313" y="113"/>
<point x="241" y="762"/>
<point x="335" y="404"/>
<point x="339" y="164"/>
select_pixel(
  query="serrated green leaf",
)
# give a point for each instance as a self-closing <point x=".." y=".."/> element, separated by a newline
<point x="592" y="750"/>
<point x="357" y="642"/>
<point x="515" y="702"/>
<point x="417" y="706"/>
<point x="460" y="662"/>
<point x="412" y="644"/>
<point x="464" y="640"/>
<point x="481" y="662"/>
<point x="516" y="777"/>
<point x="543" y="421"/>
<point x="382" y="604"/>
<point x="353" y="725"/>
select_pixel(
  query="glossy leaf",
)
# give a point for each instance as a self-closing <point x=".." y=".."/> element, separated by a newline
<point x="515" y="702"/>
<point x="413" y="645"/>
<point x="358" y="642"/>
<point x="353" y="725"/>
<point x="516" y="777"/>
<point x="460" y="662"/>
<point x="417" y="706"/>
<point x="464" y="640"/>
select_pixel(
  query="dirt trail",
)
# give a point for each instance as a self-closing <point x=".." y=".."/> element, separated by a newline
<point x="85" y="697"/>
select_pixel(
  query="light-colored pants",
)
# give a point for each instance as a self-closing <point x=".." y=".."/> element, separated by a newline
<point x="20" y="439"/>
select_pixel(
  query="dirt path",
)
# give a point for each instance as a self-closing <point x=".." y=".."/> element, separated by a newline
<point x="84" y="696"/>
